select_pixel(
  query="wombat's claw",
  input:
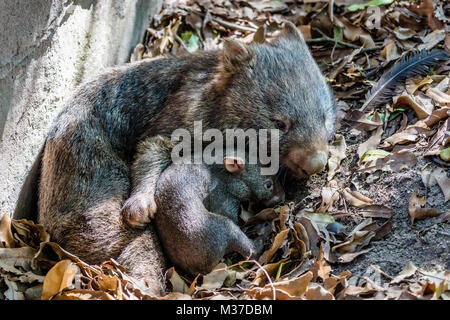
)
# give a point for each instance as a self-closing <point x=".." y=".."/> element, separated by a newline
<point x="137" y="212"/>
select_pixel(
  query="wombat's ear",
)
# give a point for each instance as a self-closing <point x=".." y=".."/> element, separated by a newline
<point x="291" y="31"/>
<point x="233" y="164"/>
<point x="235" y="55"/>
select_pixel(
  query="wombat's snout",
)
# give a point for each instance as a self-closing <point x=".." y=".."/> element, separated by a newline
<point x="306" y="162"/>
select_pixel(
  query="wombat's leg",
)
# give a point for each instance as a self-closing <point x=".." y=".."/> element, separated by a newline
<point x="152" y="157"/>
<point x="142" y="258"/>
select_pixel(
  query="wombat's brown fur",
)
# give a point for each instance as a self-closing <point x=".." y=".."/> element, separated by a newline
<point x="85" y="177"/>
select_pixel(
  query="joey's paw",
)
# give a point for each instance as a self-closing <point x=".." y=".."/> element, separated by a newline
<point x="258" y="247"/>
<point x="138" y="210"/>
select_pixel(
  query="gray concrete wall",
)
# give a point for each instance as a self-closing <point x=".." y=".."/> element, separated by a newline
<point x="47" y="48"/>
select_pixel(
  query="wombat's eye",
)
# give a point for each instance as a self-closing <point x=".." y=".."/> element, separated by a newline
<point x="281" y="125"/>
<point x="268" y="185"/>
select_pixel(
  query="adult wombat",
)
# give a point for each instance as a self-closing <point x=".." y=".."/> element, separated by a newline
<point x="199" y="206"/>
<point x="85" y="177"/>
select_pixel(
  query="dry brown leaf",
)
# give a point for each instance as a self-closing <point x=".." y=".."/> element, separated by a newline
<point x="360" y="237"/>
<point x="394" y="162"/>
<point x="377" y="211"/>
<point x="349" y="257"/>
<point x="440" y="140"/>
<point x="279" y="240"/>
<point x="420" y="106"/>
<point x="178" y="284"/>
<point x="283" y="290"/>
<point x="371" y="143"/>
<point x="284" y="216"/>
<point x="83" y="294"/>
<point x="356" y="199"/>
<point x="320" y="268"/>
<point x="59" y="277"/>
<point x="431" y="177"/>
<point x="317" y="292"/>
<point x="416" y="211"/>
<point x="313" y="234"/>
<point x="389" y="52"/>
<point x="215" y="278"/>
<point x="410" y="134"/>
<point x="333" y="281"/>
<point x="330" y="196"/>
<point x="437" y="115"/>
<point x="268" y="269"/>
<point x="6" y="237"/>
<point x="267" y="214"/>
<point x="440" y="98"/>
<point x="407" y="272"/>
<point x="337" y="154"/>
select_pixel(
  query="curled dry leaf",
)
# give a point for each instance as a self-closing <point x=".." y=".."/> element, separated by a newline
<point x="320" y="268"/>
<point x="394" y="162"/>
<point x="283" y="290"/>
<point x="440" y="98"/>
<point x="337" y="152"/>
<point x="416" y="211"/>
<point x="377" y="211"/>
<point x="408" y="271"/>
<point x="363" y="124"/>
<point x="437" y="115"/>
<point x="284" y="216"/>
<point x="371" y="143"/>
<point x="313" y="234"/>
<point x="410" y="134"/>
<point x="267" y="214"/>
<point x="330" y="196"/>
<point x="430" y="177"/>
<point x="349" y="257"/>
<point x="356" y="199"/>
<point x="84" y="294"/>
<point x="278" y="242"/>
<point x="358" y="238"/>
<point x="59" y="277"/>
<point x="6" y="237"/>
<point x="317" y="292"/>
<point x="178" y="284"/>
<point x="216" y="277"/>
<point x="440" y="140"/>
<point x="268" y="269"/>
<point x="422" y="108"/>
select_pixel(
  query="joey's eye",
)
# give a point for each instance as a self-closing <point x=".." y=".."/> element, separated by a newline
<point x="268" y="185"/>
<point x="281" y="125"/>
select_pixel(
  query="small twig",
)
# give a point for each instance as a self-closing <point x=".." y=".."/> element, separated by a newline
<point x="326" y="38"/>
<point x="232" y="25"/>
<point x="181" y="42"/>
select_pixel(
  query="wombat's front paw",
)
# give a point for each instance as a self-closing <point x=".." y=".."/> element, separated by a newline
<point x="138" y="210"/>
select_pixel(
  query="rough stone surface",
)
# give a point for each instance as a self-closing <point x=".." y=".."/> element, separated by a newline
<point x="48" y="47"/>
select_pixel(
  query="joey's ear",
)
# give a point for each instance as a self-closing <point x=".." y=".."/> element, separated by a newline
<point x="233" y="164"/>
<point x="235" y="55"/>
<point x="291" y="31"/>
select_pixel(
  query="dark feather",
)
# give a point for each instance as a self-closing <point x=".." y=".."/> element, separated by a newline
<point x="413" y="65"/>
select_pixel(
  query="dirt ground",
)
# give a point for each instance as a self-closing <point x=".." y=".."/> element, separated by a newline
<point x="426" y="243"/>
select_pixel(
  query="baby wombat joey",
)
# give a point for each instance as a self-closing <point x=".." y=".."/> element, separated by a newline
<point x="199" y="206"/>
